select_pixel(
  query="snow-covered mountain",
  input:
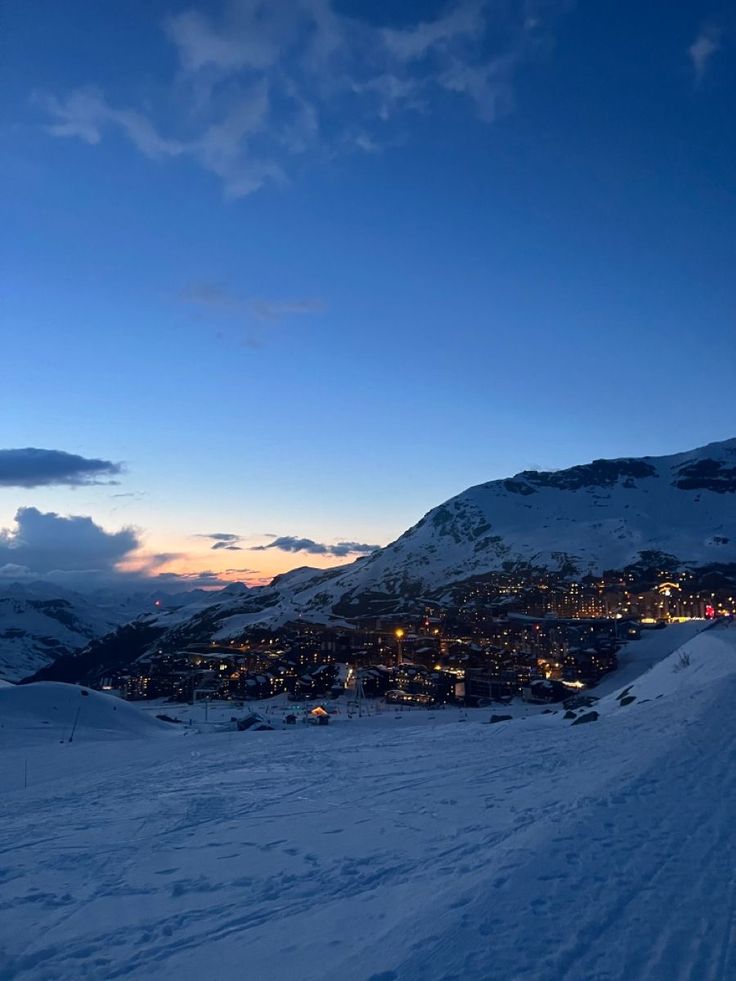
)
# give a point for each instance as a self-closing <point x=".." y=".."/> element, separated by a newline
<point x="41" y="621"/>
<point x="602" y="515"/>
<point x="609" y="514"/>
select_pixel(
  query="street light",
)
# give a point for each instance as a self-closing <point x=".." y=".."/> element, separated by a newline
<point x="399" y="635"/>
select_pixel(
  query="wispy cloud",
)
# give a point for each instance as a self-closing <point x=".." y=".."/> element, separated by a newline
<point x="126" y="500"/>
<point x="291" y="543"/>
<point x="261" y="84"/>
<point x="34" y="467"/>
<point x="700" y="52"/>
<point x="210" y="296"/>
<point x="216" y="300"/>
<point x="465" y="23"/>
<point x="272" y="311"/>
<point x="85" y="113"/>
<point x="178" y="581"/>
<point x="202" y="43"/>
<point x="253" y="577"/>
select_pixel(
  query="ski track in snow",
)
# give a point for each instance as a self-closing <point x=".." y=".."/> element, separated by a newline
<point x="532" y="850"/>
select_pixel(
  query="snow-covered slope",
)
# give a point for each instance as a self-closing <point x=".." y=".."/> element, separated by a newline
<point x="692" y="667"/>
<point x="376" y="851"/>
<point x="48" y="713"/>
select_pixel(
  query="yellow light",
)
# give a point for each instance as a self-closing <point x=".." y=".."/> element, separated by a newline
<point x="399" y="633"/>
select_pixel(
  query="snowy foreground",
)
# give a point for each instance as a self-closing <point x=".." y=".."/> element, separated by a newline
<point x="378" y="849"/>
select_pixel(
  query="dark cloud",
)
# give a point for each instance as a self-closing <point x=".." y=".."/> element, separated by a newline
<point x="353" y="548"/>
<point x="220" y="536"/>
<point x="47" y="542"/>
<point x="290" y="543"/>
<point x="33" y="467"/>
<point x="74" y="552"/>
<point x="223" y="540"/>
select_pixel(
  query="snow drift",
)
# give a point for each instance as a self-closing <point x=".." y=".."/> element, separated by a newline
<point x="50" y="712"/>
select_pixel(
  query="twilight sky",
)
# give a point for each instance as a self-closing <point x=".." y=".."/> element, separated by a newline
<point x="281" y="276"/>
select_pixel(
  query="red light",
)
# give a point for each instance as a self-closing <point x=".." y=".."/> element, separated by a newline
<point x="710" y="612"/>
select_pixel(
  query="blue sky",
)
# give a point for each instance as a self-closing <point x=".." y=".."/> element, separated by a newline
<point x="307" y="268"/>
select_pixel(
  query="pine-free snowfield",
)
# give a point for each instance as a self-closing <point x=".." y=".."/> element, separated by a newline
<point x="530" y="849"/>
